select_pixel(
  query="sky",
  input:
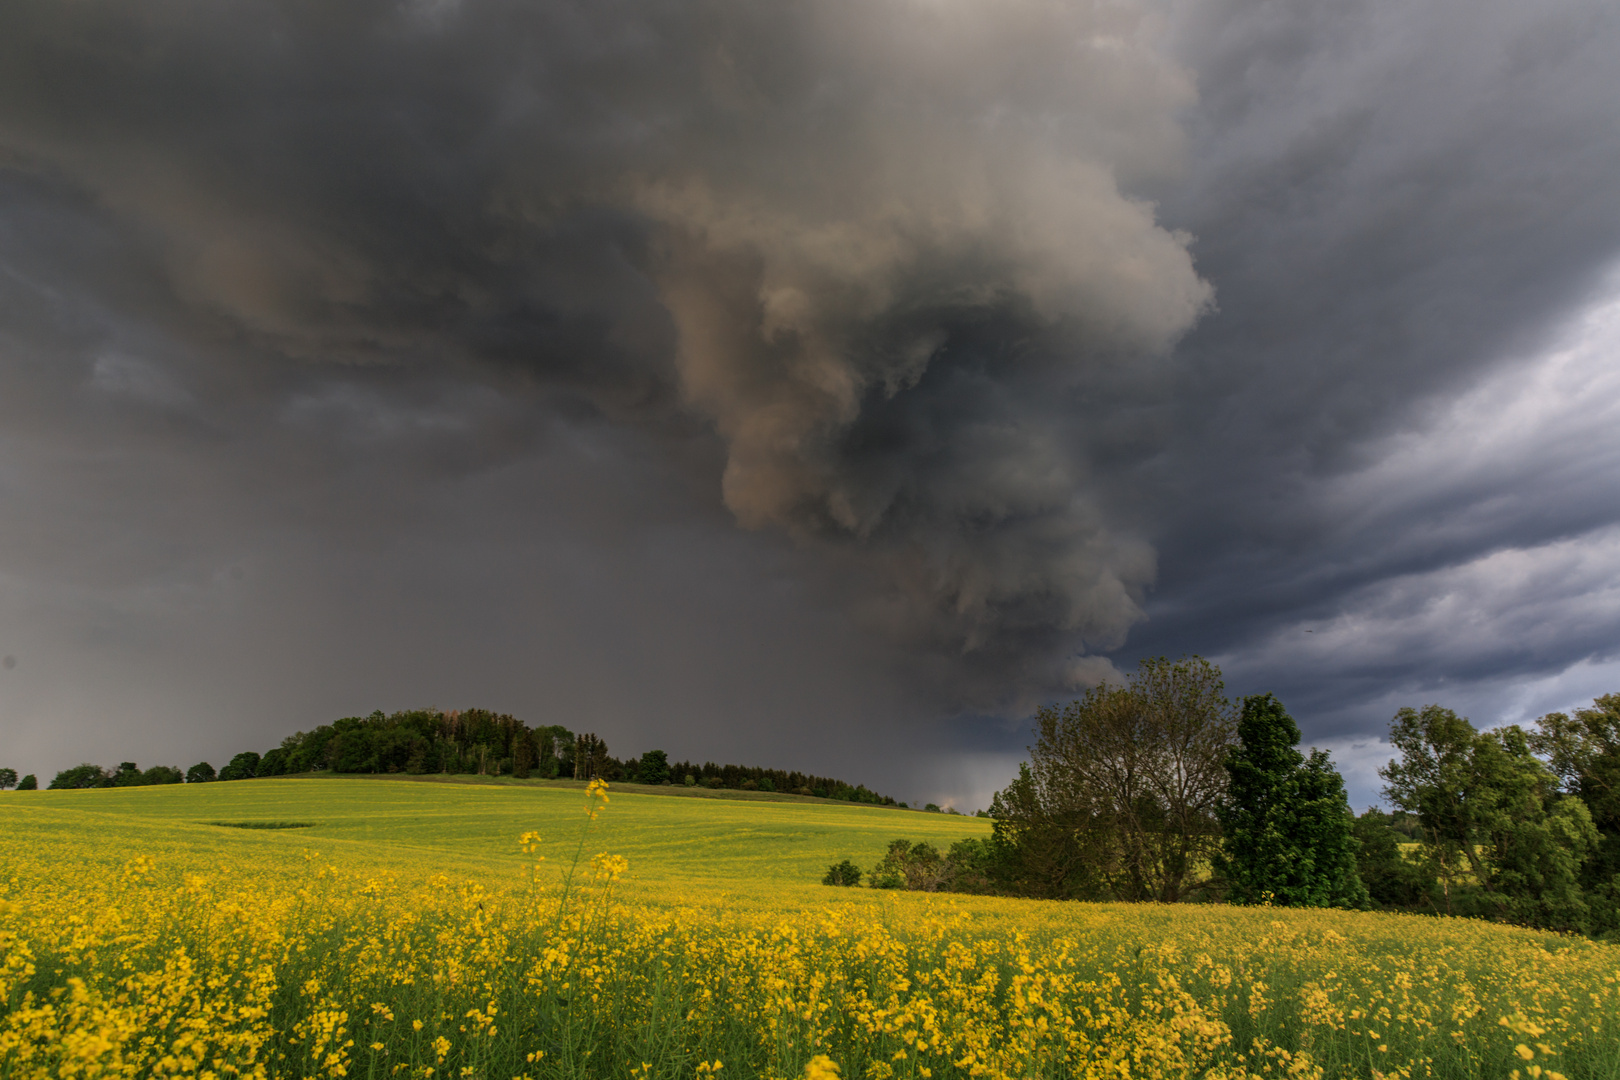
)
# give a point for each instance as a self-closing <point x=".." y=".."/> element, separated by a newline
<point x="820" y="385"/>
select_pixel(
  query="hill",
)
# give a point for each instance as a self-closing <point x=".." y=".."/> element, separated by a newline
<point x="669" y="835"/>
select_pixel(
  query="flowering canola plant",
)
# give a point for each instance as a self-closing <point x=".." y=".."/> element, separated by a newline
<point x="182" y="965"/>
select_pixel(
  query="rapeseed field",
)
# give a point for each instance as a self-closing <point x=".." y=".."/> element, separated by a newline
<point x="422" y="930"/>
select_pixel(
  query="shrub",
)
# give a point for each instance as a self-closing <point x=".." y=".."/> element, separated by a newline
<point x="714" y="783"/>
<point x="691" y="781"/>
<point x="767" y="784"/>
<point x="842" y="873"/>
<point x="749" y="785"/>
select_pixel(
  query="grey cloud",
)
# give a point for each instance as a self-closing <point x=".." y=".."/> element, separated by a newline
<point x="783" y="219"/>
<point x="836" y="368"/>
<point x="1402" y="211"/>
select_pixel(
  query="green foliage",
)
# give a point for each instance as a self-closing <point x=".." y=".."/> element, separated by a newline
<point x="1045" y="844"/>
<point x="1285" y="821"/>
<point x="1500" y="838"/>
<point x="274" y="763"/>
<point x="842" y="873"/>
<point x="200" y="773"/>
<point x="920" y="867"/>
<point x="1119" y="799"/>
<point x="28" y="783"/>
<point x="691" y="781"/>
<point x="81" y="776"/>
<point x="654" y="768"/>
<point x="8" y="778"/>
<point x="1583" y="751"/>
<point x="244" y="766"/>
<point x="1393" y="880"/>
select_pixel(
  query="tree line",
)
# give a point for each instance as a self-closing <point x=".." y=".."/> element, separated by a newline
<point x="464" y="742"/>
<point x="1164" y="790"/>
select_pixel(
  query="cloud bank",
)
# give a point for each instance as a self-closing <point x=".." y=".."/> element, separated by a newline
<point x="827" y="379"/>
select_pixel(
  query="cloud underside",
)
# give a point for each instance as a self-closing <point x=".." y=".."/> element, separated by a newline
<point x="926" y="351"/>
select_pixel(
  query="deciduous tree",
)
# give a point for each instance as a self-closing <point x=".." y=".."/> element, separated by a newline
<point x="1502" y="838"/>
<point x="1120" y="795"/>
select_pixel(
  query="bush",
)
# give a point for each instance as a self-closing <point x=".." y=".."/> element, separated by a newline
<point x="842" y="873"/>
<point x="767" y="784"/>
<point x="920" y="867"/>
<point x="691" y="781"/>
<point x="749" y="785"/>
<point x="714" y="783"/>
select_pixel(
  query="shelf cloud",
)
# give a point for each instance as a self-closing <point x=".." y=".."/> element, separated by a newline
<point x="727" y="375"/>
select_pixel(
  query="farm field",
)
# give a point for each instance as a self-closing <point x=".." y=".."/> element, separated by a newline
<point x="414" y="929"/>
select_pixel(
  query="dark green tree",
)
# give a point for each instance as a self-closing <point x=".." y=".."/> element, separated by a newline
<point x="654" y="768"/>
<point x="162" y="774"/>
<point x="590" y="756"/>
<point x="522" y="754"/>
<point x="1286" y="823"/>
<point x="244" y="766"/>
<point x="200" y="773"/>
<point x="127" y="775"/>
<point x="1583" y="751"/>
<point x="81" y="776"/>
<point x="8" y="778"/>
<point x="28" y="783"/>
<point x="1392" y="880"/>
<point x="1499" y="836"/>
<point x="1258" y="846"/>
<point x="274" y="763"/>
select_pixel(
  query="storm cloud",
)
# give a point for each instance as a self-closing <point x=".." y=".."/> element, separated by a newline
<point x="824" y="383"/>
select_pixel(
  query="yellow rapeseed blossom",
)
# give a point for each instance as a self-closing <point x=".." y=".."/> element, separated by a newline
<point x="187" y="967"/>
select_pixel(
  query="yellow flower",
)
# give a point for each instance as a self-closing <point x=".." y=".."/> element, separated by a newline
<point x="821" y="1067"/>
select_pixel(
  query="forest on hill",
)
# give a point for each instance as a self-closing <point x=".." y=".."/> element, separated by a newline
<point x="469" y="742"/>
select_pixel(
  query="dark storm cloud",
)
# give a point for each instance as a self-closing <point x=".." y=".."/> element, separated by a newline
<point x="1396" y="432"/>
<point x="366" y="353"/>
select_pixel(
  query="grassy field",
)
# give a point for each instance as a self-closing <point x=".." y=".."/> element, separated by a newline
<point x="672" y="836"/>
<point x="431" y="929"/>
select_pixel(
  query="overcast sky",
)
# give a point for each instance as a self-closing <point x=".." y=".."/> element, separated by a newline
<point x="820" y="385"/>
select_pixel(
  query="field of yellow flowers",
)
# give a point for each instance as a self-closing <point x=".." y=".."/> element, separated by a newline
<point x="138" y="939"/>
